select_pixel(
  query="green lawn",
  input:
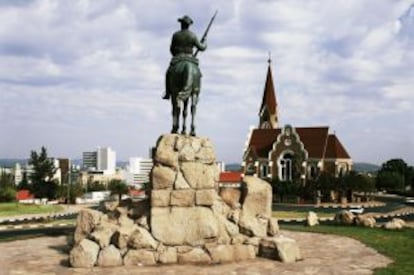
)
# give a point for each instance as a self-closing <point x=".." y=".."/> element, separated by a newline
<point x="14" y="209"/>
<point x="298" y="214"/>
<point x="397" y="245"/>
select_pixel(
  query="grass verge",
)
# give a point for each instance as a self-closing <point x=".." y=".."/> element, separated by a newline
<point x="298" y="214"/>
<point x="15" y="209"/>
<point x="397" y="245"/>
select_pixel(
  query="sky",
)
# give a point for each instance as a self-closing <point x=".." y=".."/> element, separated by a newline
<point x="79" y="74"/>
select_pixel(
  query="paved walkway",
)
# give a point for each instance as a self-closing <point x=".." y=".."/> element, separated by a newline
<point x="323" y="254"/>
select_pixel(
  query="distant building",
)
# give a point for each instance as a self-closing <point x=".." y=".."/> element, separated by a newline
<point x="102" y="160"/>
<point x="291" y="153"/>
<point x="138" y="171"/>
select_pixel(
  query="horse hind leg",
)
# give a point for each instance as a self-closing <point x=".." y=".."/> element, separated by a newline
<point x="194" y="100"/>
<point x="184" y="128"/>
<point x="176" y="116"/>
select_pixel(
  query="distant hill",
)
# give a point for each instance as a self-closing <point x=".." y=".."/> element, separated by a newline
<point x="9" y="163"/>
<point x="233" y="167"/>
<point x="365" y="167"/>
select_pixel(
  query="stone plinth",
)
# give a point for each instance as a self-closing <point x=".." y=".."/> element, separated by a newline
<point x="184" y="220"/>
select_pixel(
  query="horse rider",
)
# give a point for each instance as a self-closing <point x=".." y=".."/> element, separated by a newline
<point x="182" y="44"/>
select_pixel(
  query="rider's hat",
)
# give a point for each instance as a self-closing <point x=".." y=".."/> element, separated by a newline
<point x="186" y="19"/>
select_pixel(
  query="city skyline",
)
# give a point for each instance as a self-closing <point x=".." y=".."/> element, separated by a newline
<point x="81" y="74"/>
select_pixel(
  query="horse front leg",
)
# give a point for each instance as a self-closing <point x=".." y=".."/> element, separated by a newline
<point x="175" y="114"/>
<point x="185" y="104"/>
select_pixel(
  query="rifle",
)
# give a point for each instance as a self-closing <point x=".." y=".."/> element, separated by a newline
<point x="206" y="31"/>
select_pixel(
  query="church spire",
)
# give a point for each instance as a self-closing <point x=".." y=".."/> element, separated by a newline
<point x="268" y="109"/>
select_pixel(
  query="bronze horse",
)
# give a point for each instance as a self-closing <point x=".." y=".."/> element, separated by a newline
<point x="183" y="84"/>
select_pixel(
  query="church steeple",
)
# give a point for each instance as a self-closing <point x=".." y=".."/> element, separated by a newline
<point x="268" y="110"/>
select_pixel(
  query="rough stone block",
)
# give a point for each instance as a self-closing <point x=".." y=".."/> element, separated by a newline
<point x="184" y="197"/>
<point x="168" y="255"/>
<point x="183" y="225"/>
<point x="200" y="176"/>
<point x="140" y="257"/>
<point x="163" y="177"/>
<point x="166" y="153"/>
<point x="195" y="256"/>
<point x="180" y="182"/>
<point x="206" y="197"/>
<point x="160" y="198"/>
<point x="280" y="248"/>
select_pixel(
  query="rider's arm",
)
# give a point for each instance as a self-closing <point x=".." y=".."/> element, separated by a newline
<point x="201" y="46"/>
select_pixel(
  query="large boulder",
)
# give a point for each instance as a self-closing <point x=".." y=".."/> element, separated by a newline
<point x="231" y="253"/>
<point x="194" y="256"/>
<point x="273" y="227"/>
<point x="140" y="257"/>
<point x="344" y="217"/>
<point x="253" y="225"/>
<point x="86" y="222"/>
<point x="103" y="234"/>
<point x="394" y="224"/>
<point x="280" y="248"/>
<point x="365" y="220"/>
<point x="121" y="236"/>
<point x="183" y="225"/>
<point x="84" y="254"/>
<point x="312" y="219"/>
<point x="256" y="197"/>
<point x="141" y="238"/>
<point x="109" y="256"/>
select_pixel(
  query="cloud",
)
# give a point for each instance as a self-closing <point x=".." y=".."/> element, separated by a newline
<point x="86" y="73"/>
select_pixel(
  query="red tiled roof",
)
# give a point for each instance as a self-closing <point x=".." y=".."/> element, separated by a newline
<point x="262" y="140"/>
<point x="24" y="195"/>
<point x="314" y="139"/>
<point x="133" y="192"/>
<point x="335" y="149"/>
<point x="269" y="98"/>
<point x="228" y="177"/>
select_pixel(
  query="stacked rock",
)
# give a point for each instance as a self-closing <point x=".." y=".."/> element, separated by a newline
<point x="185" y="220"/>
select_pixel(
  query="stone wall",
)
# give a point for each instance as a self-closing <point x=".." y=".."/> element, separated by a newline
<point x="184" y="220"/>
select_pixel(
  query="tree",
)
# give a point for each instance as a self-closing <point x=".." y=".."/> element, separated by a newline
<point x="43" y="185"/>
<point x="24" y="184"/>
<point x="325" y="183"/>
<point x="6" y="180"/>
<point x="390" y="181"/>
<point x="95" y="186"/>
<point x="118" y="187"/>
<point x="7" y="188"/>
<point x="75" y="191"/>
<point x="395" y="175"/>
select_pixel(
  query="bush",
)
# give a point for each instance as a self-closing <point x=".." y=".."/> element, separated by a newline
<point x="7" y="194"/>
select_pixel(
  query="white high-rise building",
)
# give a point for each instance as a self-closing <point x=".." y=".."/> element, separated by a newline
<point x="138" y="170"/>
<point x="102" y="160"/>
<point x="106" y="160"/>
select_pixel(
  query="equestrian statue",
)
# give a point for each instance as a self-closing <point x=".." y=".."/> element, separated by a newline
<point x="183" y="77"/>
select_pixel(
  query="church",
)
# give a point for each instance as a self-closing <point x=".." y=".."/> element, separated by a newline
<point x="291" y="153"/>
